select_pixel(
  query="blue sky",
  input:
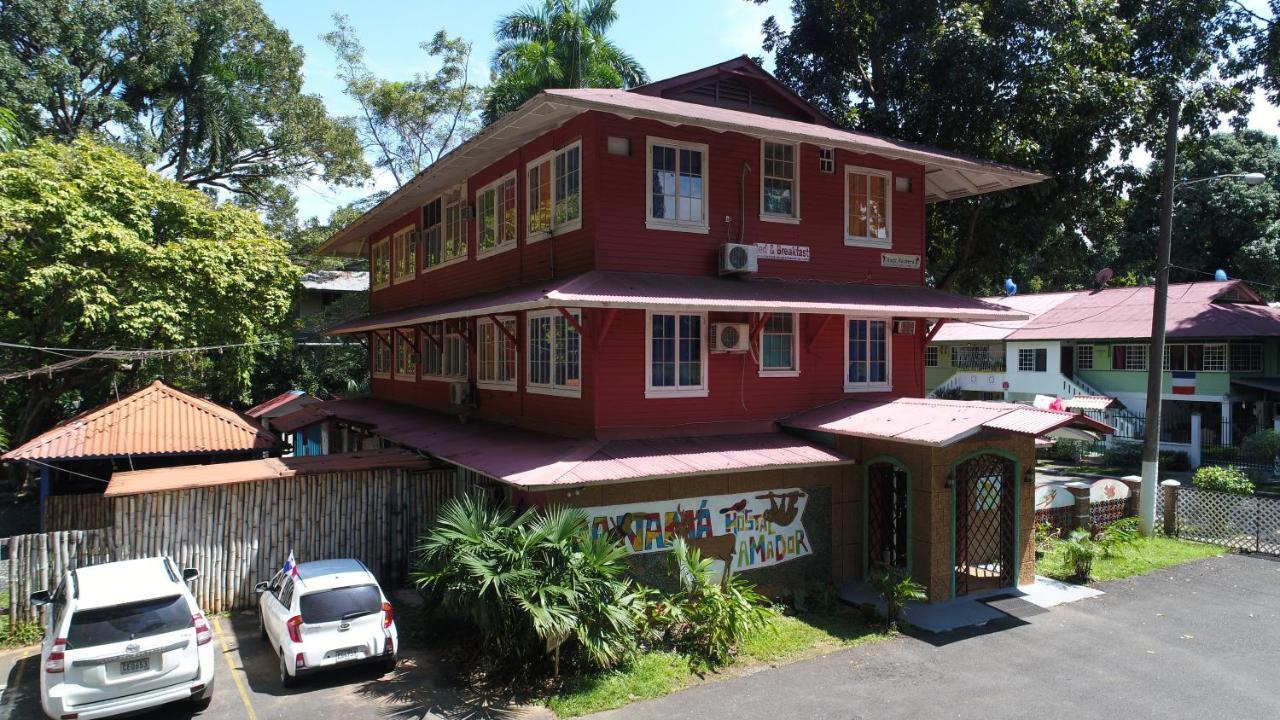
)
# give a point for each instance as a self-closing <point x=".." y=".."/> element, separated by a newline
<point x="708" y="31"/>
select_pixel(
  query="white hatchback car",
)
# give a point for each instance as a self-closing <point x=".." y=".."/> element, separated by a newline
<point x="122" y="637"/>
<point x="325" y="614"/>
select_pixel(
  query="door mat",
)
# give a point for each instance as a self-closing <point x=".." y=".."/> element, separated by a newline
<point x="1010" y="604"/>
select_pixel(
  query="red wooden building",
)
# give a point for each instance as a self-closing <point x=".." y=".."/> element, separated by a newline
<point x="694" y="308"/>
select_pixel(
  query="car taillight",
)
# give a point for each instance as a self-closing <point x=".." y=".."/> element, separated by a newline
<point x="388" y="615"/>
<point x="295" y="628"/>
<point x="203" y="633"/>
<point x="299" y="661"/>
<point x="387" y="647"/>
<point x="55" y="663"/>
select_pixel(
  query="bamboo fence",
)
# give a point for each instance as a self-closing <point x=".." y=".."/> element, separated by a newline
<point x="38" y="562"/>
<point x="76" y="512"/>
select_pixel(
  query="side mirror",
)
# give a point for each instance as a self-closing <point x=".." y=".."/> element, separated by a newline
<point x="40" y="599"/>
<point x="190" y="574"/>
<point x="260" y="587"/>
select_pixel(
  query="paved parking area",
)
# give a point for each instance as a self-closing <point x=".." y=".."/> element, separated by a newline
<point x="248" y="688"/>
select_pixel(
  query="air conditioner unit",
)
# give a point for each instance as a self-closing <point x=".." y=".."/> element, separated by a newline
<point x="736" y="258"/>
<point x="730" y="337"/>
<point x="460" y="393"/>
<point x="904" y="327"/>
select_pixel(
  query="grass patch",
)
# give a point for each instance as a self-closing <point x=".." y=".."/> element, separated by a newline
<point x="1137" y="558"/>
<point x="786" y="638"/>
<point x="25" y="633"/>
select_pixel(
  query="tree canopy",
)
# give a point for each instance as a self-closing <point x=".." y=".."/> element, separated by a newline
<point x="98" y="252"/>
<point x="559" y="44"/>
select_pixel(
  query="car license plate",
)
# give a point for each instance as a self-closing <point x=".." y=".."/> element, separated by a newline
<point x="347" y="654"/>
<point x="128" y="667"/>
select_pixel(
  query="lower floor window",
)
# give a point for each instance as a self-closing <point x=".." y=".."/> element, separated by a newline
<point x="931" y="356"/>
<point x="406" y="356"/>
<point x="676" y="361"/>
<point x="381" y="354"/>
<point x="496" y="352"/>
<point x="778" y="344"/>
<point x="1033" y="359"/>
<point x="866" y="355"/>
<point x="555" y="353"/>
<point x="445" y="353"/>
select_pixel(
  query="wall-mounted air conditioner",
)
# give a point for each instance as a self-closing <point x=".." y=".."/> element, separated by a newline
<point x="730" y="337"/>
<point x="736" y="258"/>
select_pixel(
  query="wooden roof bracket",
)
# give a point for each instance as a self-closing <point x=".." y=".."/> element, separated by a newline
<point x="604" y="328"/>
<point x="503" y="327"/>
<point x="426" y="332"/>
<point x="758" y="325"/>
<point x="813" y="336"/>
<point x="934" y="330"/>
<point x="568" y="316"/>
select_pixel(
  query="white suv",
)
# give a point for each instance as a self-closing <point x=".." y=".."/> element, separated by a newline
<point x="324" y="614"/>
<point x="121" y="637"/>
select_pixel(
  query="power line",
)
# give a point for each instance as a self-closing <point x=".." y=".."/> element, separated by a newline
<point x="114" y="355"/>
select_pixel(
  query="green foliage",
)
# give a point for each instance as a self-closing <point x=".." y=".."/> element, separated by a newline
<point x="1138" y="557"/>
<point x="525" y="581"/>
<point x="558" y="44"/>
<point x="896" y="588"/>
<point x="1223" y="479"/>
<point x="1071" y="451"/>
<point x="1118" y="534"/>
<point x="1079" y="550"/>
<point x="12" y="134"/>
<point x="1175" y="460"/>
<point x="1122" y="454"/>
<point x="1261" y="448"/>
<point x="100" y="252"/>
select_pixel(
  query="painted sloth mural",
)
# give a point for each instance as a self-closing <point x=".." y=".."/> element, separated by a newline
<point x="743" y="532"/>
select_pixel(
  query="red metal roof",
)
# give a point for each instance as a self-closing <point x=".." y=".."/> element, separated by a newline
<point x="276" y="404"/>
<point x="193" y="476"/>
<point x="534" y="460"/>
<point x="1031" y="306"/>
<point x="606" y="289"/>
<point x="156" y="420"/>
<point x="933" y="422"/>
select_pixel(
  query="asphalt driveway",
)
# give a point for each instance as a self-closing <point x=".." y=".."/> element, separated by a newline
<point x="1201" y="640"/>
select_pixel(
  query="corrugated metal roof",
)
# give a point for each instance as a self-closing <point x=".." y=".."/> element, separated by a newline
<point x="606" y="289"/>
<point x="336" y="280"/>
<point x="275" y="405"/>
<point x="534" y="460"/>
<point x="1090" y="402"/>
<point x="933" y="422"/>
<point x="156" y="420"/>
<point x="1032" y="306"/>
<point x="193" y="476"/>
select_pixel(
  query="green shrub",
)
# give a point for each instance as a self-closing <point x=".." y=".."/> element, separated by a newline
<point x="1261" y="447"/>
<point x="1174" y="460"/>
<point x="1123" y="454"/>
<point x="1223" y="479"/>
<point x="1118" y="534"/>
<point x="1072" y="451"/>
<point x="1079" y="551"/>
<point x="896" y="587"/>
<point x="524" y="581"/>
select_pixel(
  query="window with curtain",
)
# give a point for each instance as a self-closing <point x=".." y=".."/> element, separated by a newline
<point x="677" y="358"/>
<point x="866" y="355"/>
<point x="778" y="345"/>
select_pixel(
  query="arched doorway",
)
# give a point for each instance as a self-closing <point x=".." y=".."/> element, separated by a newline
<point x="984" y="523"/>
<point x="888" y="496"/>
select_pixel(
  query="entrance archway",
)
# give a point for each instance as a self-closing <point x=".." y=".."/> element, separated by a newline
<point x="984" y="523"/>
<point x="888" y="529"/>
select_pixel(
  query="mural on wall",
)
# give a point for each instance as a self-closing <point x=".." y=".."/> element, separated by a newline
<point x="743" y="532"/>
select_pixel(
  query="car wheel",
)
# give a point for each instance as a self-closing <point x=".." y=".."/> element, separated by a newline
<point x="286" y="679"/>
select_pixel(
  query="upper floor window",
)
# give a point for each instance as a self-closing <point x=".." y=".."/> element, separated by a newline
<point x="554" y="353"/>
<point x="931" y="356"/>
<point x="779" y="182"/>
<point x="432" y="233"/>
<point x="827" y="160"/>
<point x="380" y="263"/>
<point x="866" y="355"/>
<point x="496" y="216"/>
<point x="1198" y="358"/>
<point x="496" y="353"/>
<point x="677" y="185"/>
<point x="381" y="354"/>
<point x="778" y="354"/>
<point x="404" y="246"/>
<point x="453" y="244"/>
<point x="1129" y="357"/>
<point x="445" y="353"/>
<point x="1033" y="359"/>
<point x="1084" y="357"/>
<point x="1246" y="357"/>
<point x="867" y="207"/>
<point x="554" y="184"/>
<point x="406" y="355"/>
<point x="677" y="354"/>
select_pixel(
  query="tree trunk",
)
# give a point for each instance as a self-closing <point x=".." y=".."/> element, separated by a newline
<point x="965" y="251"/>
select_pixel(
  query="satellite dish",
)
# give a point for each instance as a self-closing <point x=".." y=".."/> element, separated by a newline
<point x="1103" y="277"/>
<point x="1010" y="287"/>
<point x="1220" y="275"/>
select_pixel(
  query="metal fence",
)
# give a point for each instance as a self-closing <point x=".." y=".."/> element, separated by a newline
<point x="1245" y="522"/>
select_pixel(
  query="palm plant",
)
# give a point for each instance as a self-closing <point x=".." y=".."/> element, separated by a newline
<point x="560" y="44"/>
<point x="896" y="588"/>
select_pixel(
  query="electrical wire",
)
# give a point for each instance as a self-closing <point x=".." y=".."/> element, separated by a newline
<point x="62" y="469"/>
<point x="113" y="355"/>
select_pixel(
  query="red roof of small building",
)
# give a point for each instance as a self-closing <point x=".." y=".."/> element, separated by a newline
<point x="194" y="476"/>
<point x="156" y="420"/>
<point x="535" y="460"/>
<point x="273" y="406"/>
<point x="936" y="423"/>
<point x="605" y="289"/>
<point x="1031" y="306"/>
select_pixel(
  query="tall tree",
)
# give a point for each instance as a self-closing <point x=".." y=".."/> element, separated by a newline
<point x="408" y="124"/>
<point x="98" y="252"/>
<point x="1054" y="85"/>
<point x="559" y="44"/>
<point x="208" y="91"/>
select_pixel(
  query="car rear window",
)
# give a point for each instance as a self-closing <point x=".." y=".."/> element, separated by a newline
<point x="121" y="623"/>
<point x="330" y="605"/>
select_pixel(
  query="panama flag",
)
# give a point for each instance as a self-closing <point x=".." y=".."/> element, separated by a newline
<point x="1184" y="383"/>
<point x="290" y="566"/>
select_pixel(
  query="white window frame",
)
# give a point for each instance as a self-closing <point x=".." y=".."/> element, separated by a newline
<point x="794" y="371"/>
<point x="383" y="248"/>
<point x="454" y="199"/>
<point x="928" y="351"/>
<point x="500" y="342"/>
<point x="1030" y="353"/>
<point x="504" y="244"/>
<point x="448" y="337"/>
<point x="376" y="341"/>
<point x="397" y="342"/>
<point x="1081" y="354"/>
<point x="794" y="216"/>
<point x="403" y="235"/>
<point x="863" y="241"/>
<point x="552" y="388"/>
<point x="549" y="158"/>
<point x="1145" y="354"/>
<point x="653" y="223"/>
<point x="827" y="160"/>
<point x="887" y="385"/>
<point x="702" y="389"/>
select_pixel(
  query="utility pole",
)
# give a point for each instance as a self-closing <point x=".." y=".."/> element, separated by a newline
<point x="1159" y="312"/>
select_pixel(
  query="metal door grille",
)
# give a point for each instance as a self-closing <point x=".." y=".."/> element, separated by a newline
<point x="984" y="523"/>
<point x="886" y="516"/>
